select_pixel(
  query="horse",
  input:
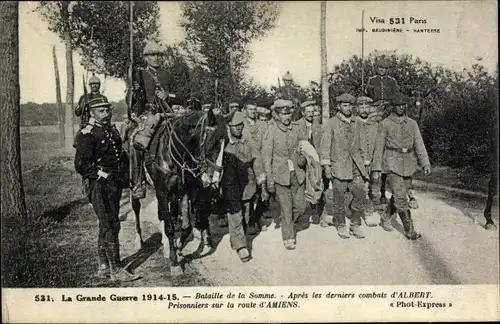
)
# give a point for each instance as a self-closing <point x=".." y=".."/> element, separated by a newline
<point x="184" y="165"/>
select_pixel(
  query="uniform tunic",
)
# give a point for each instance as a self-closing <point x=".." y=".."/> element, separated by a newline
<point x="399" y="151"/>
<point x="381" y="89"/>
<point x="243" y="171"/>
<point x="98" y="149"/>
<point x="149" y="81"/>
<point x="280" y="154"/>
<point x="253" y="132"/>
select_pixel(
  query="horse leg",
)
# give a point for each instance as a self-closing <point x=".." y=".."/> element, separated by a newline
<point x="490" y="225"/>
<point x="187" y="227"/>
<point x="163" y="215"/>
<point x="203" y="216"/>
<point x="136" y="207"/>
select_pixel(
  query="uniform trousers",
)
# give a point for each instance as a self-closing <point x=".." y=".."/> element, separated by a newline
<point x="292" y="200"/>
<point x="238" y="217"/>
<point x="105" y="197"/>
<point x="357" y="188"/>
<point x="399" y="187"/>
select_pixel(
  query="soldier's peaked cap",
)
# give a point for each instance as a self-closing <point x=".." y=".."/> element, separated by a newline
<point x="382" y="62"/>
<point x="207" y="105"/>
<point x="308" y="103"/>
<point x="238" y="119"/>
<point x="399" y="99"/>
<point x="345" y="97"/>
<point x="99" y="102"/>
<point x="263" y="110"/>
<point x="363" y="100"/>
<point x="234" y="104"/>
<point x="282" y="105"/>
<point x="94" y="80"/>
<point x="152" y="47"/>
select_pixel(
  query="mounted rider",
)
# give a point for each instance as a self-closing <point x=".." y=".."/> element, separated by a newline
<point x="151" y="96"/>
<point x="82" y="108"/>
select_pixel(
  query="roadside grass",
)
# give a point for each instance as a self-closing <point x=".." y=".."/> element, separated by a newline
<point x="460" y="178"/>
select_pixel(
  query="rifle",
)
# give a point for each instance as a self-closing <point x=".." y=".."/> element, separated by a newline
<point x="216" y="96"/>
<point x="85" y="109"/>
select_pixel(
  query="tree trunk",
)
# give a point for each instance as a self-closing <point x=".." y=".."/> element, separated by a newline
<point x="58" y="98"/>
<point x="70" y="83"/>
<point x="12" y="191"/>
<point x="324" y="65"/>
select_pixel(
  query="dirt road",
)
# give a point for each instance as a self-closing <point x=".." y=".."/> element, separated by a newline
<point x="454" y="249"/>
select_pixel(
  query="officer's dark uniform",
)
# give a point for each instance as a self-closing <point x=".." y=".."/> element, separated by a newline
<point x="100" y="161"/>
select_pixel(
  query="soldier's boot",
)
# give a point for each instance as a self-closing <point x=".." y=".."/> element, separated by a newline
<point x="343" y="231"/>
<point x="410" y="232"/>
<point x="117" y="272"/>
<point x="386" y="218"/>
<point x="103" y="270"/>
<point x="383" y="199"/>
<point x="355" y="227"/>
<point x="244" y="255"/>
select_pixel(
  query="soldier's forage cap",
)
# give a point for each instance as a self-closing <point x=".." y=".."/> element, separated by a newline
<point x="263" y="111"/>
<point x="399" y="99"/>
<point x="99" y="102"/>
<point x="383" y="63"/>
<point x="251" y="104"/>
<point x="207" y="106"/>
<point x="364" y="100"/>
<point x="345" y="97"/>
<point x="238" y="119"/>
<point x="94" y="80"/>
<point x="152" y="48"/>
<point x="283" y="106"/>
<point x="308" y="103"/>
<point x="234" y="104"/>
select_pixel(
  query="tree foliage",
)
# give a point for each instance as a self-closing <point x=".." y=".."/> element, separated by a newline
<point x="456" y="111"/>
<point x="100" y="31"/>
<point x="218" y="35"/>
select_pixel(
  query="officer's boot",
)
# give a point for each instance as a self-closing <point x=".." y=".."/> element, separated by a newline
<point x="118" y="273"/>
<point x="103" y="271"/>
<point x="386" y="217"/>
<point x="408" y="225"/>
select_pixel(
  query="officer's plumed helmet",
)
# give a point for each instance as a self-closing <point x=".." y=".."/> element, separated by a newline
<point x="238" y="119"/>
<point x="283" y="106"/>
<point x="94" y="80"/>
<point x="345" y="97"/>
<point x="152" y="48"/>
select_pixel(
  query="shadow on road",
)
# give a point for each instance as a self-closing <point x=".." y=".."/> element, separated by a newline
<point x="151" y="245"/>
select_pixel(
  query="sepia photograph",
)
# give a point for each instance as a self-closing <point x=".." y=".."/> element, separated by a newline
<point x="293" y="146"/>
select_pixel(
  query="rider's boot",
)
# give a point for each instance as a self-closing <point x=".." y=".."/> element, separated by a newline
<point x="117" y="272"/>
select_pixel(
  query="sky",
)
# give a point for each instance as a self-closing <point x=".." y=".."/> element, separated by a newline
<point x="468" y="32"/>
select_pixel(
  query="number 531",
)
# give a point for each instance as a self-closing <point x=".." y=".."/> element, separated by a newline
<point x="396" y="21"/>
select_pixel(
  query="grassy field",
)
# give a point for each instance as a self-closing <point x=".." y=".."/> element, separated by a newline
<point x="60" y="248"/>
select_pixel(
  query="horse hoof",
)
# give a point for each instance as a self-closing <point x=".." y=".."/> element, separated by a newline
<point x="176" y="270"/>
<point x="490" y="226"/>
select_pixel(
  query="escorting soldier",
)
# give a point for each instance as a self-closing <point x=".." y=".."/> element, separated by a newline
<point x="399" y="151"/>
<point x="82" y="109"/>
<point x="344" y="166"/>
<point x="381" y="88"/>
<point x="150" y="94"/>
<point x="368" y="135"/>
<point x="100" y="161"/>
<point x="243" y="175"/>
<point x="284" y="165"/>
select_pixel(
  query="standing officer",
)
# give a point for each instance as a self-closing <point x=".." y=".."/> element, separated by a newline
<point x="100" y="161"/>
<point x="81" y="109"/>
<point x="243" y="175"/>
<point x="343" y="166"/>
<point x="399" y="151"/>
<point x="149" y="96"/>
<point x="284" y="165"/>
<point x="381" y="88"/>
<point x="368" y="134"/>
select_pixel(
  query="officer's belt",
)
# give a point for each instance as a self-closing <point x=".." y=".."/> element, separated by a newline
<point x="400" y="149"/>
<point x="108" y="170"/>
